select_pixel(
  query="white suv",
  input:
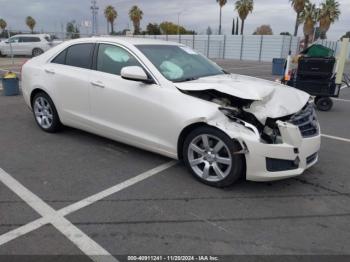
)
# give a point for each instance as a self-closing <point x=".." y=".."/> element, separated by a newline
<point x="31" y="45"/>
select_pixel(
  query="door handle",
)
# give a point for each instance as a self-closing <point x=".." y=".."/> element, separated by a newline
<point x="50" y="71"/>
<point x="98" y="84"/>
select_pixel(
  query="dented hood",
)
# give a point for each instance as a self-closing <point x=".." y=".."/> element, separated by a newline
<point x="271" y="99"/>
<point x="235" y="85"/>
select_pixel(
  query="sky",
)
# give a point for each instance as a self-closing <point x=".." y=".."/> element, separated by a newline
<point x="194" y="14"/>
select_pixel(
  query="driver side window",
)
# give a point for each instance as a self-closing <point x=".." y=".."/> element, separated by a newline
<point x="111" y="59"/>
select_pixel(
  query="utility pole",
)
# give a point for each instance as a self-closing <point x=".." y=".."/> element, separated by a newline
<point x="94" y="9"/>
<point x="178" y="23"/>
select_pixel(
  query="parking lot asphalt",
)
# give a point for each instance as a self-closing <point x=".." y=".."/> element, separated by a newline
<point x="165" y="210"/>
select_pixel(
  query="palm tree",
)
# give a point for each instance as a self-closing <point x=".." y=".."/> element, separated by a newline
<point x="244" y="7"/>
<point x="309" y="16"/>
<point x="329" y="13"/>
<point x="136" y="15"/>
<point x="30" y="21"/>
<point x="298" y="6"/>
<point x="221" y="3"/>
<point x="3" y="25"/>
<point x="111" y="14"/>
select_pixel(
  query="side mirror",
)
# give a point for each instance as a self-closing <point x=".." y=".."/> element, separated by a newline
<point x="135" y="73"/>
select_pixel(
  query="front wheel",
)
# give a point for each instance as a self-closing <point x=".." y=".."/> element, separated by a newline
<point x="209" y="155"/>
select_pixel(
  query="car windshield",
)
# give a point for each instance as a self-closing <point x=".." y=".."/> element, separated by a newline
<point x="179" y="63"/>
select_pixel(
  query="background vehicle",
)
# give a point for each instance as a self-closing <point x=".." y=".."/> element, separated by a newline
<point x="29" y="45"/>
<point x="166" y="98"/>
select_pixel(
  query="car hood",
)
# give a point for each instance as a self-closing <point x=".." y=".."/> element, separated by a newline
<point x="271" y="99"/>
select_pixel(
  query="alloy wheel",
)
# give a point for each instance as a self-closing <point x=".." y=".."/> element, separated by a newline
<point x="43" y="112"/>
<point x="210" y="158"/>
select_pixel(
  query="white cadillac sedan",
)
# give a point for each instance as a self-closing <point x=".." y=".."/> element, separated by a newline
<point x="167" y="98"/>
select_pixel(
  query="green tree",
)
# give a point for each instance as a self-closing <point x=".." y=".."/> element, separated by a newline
<point x="329" y="13"/>
<point x="263" y="30"/>
<point x="285" y="33"/>
<point x="298" y="6"/>
<point x="244" y="7"/>
<point x="209" y="31"/>
<point x="309" y="16"/>
<point x="136" y="16"/>
<point x="233" y="26"/>
<point x="110" y="15"/>
<point x="221" y="4"/>
<point x="153" y="29"/>
<point x="72" y="30"/>
<point x="169" y="28"/>
<point x="3" y="25"/>
<point x="30" y="22"/>
<point x="347" y="35"/>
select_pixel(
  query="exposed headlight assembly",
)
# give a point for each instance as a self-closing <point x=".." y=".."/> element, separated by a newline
<point x="233" y="113"/>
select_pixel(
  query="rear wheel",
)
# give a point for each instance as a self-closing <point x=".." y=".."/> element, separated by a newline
<point x="45" y="113"/>
<point x="323" y="103"/>
<point x="37" y="52"/>
<point x="208" y="154"/>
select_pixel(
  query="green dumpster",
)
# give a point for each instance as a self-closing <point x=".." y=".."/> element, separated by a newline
<point x="318" y="51"/>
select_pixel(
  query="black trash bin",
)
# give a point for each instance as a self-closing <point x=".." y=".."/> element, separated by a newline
<point x="278" y="65"/>
<point x="10" y="84"/>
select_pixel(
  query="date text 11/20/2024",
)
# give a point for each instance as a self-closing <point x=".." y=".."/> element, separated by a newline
<point x="173" y="258"/>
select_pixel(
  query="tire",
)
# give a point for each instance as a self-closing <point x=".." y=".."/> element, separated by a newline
<point x="324" y="103"/>
<point x="201" y="152"/>
<point x="37" y="52"/>
<point x="45" y="113"/>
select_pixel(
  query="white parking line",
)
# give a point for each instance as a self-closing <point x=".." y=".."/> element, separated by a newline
<point x="57" y="217"/>
<point x="80" y="239"/>
<point x="336" y="138"/>
<point x="110" y="191"/>
<point x="342" y="100"/>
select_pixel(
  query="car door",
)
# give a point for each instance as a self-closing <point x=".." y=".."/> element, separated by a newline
<point x="129" y="111"/>
<point x="67" y="75"/>
<point x="28" y="44"/>
<point x="25" y="45"/>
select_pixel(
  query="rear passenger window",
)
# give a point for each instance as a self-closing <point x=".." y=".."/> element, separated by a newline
<point x="61" y="58"/>
<point x="111" y="59"/>
<point x="80" y="55"/>
<point x="30" y="39"/>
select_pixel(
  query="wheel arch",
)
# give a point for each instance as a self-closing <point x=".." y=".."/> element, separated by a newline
<point x="188" y="129"/>
<point x="34" y="93"/>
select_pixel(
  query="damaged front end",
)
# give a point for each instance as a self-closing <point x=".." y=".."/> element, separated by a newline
<point x="269" y="128"/>
<point x="277" y="146"/>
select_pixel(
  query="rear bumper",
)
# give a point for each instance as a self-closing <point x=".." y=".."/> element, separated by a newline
<point x="297" y="154"/>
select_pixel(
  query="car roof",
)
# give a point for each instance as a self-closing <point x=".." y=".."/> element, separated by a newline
<point x="31" y="35"/>
<point x="134" y="40"/>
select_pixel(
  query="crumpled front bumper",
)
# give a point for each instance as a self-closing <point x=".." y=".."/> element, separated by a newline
<point x="296" y="149"/>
